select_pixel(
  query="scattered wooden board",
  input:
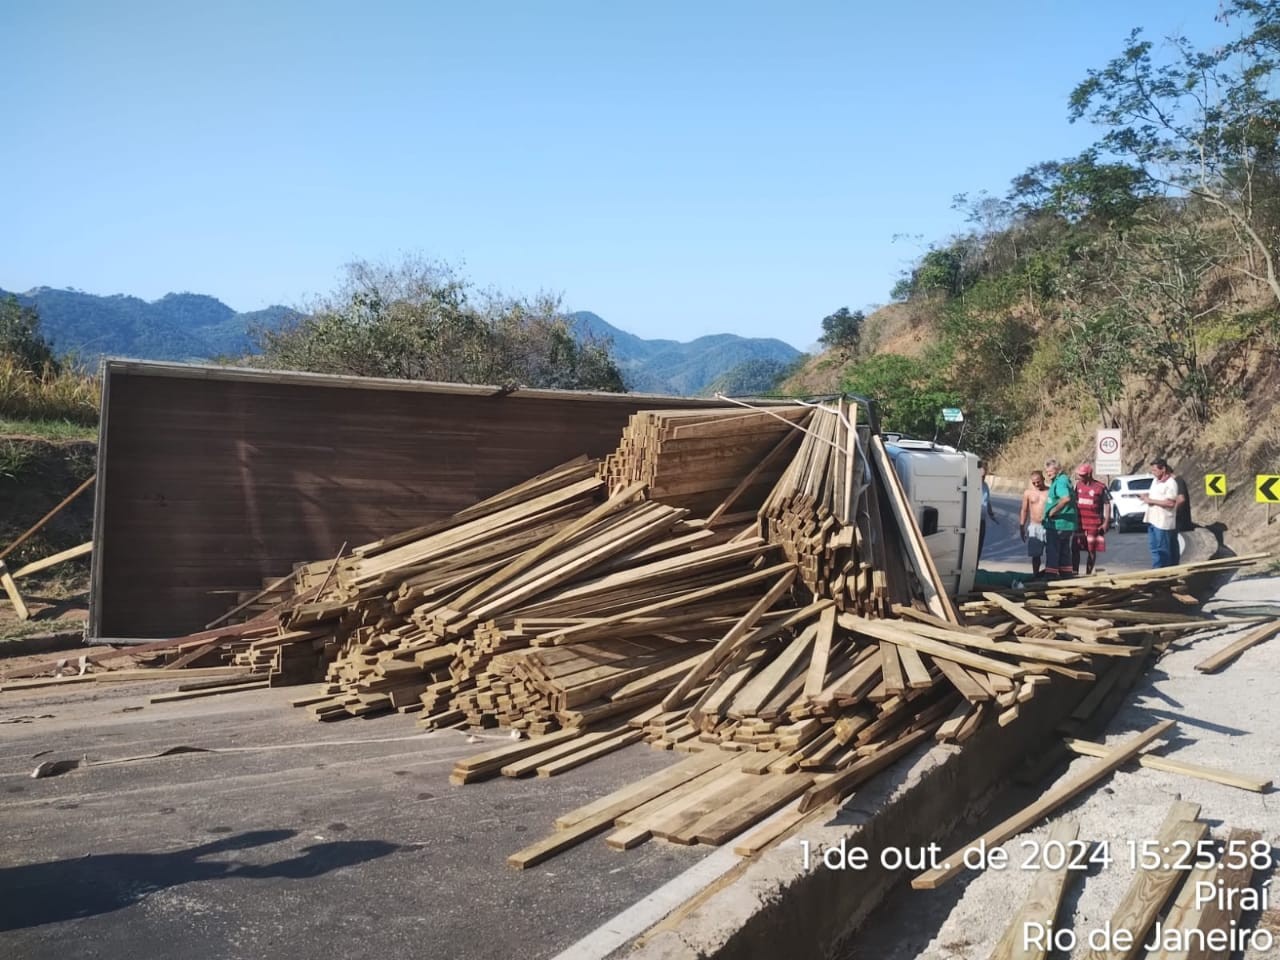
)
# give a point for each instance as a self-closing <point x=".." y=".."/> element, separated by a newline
<point x="210" y="692"/>
<point x="11" y="589"/>
<point x="1225" y="656"/>
<point x="1055" y="797"/>
<point x="1184" y="916"/>
<point x="615" y="742"/>
<point x="52" y="561"/>
<point x="1168" y="765"/>
<point x="1152" y="887"/>
<point x="1043" y="901"/>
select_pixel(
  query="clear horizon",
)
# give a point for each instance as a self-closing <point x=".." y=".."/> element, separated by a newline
<point x="678" y="174"/>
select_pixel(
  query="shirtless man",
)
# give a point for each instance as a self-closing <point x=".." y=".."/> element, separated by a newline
<point x="1029" y="525"/>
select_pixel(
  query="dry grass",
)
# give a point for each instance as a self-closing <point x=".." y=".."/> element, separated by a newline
<point x="1260" y="443"/>
<point x="1222" y="434"/>
<point x="1063" y="433"/>
<point x="68" y="396"/>
<point x="906" y="329"/>
<point x="66" y="582"/>
<point x="820" y="374"/>
<point x="903" y="328"/>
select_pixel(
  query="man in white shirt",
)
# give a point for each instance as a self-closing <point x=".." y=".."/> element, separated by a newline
<point x="1162" y="516"/>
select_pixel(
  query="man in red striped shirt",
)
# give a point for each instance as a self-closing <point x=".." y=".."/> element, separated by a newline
<point x="1093" y="506"/>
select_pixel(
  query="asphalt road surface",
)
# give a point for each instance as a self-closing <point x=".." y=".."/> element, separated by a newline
<point x="1004" y="549"/>
<point x="292" y="840"/>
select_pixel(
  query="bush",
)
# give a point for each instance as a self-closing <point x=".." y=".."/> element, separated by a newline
<point x="20" y="338"/>
<point x="909" y="396"/>
<point x="49" y="395"/>
<point x="419" y="321"/>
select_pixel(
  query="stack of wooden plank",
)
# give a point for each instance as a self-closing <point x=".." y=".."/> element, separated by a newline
<point x="599" y="646"/>
<point x="288" y="658"/>
<point x="539" y="690"/>
<point x="813" y="503"/>
<point x="469" y="544"/>
<point x="840" y="513"/>
<point x="706" y="459"/>
<point x="825" y="515"/>
<point x="626" y="582"/>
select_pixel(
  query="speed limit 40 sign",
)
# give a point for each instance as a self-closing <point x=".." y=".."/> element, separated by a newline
<point x="1107" y="455"/>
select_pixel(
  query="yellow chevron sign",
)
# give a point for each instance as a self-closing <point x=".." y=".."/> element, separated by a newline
<point x="1215" y="484"/>
<point x="1267" y="488"/>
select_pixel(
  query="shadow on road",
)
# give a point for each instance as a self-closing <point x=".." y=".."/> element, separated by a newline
<point x="41" y="893"/>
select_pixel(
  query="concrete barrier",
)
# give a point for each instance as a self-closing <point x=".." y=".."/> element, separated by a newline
<point x="777" y="907"/>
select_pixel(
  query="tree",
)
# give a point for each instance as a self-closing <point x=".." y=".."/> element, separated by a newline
<point x="986" y="340"/>
<point x="945" y="272"/>
<point x="842" y="330"/>
<point x="993" y="243"/>
<point x="20" y="338"/>
<point x="419" y="320"/>
<point x="942" y="271"/>
<point x="1165" y="304"/>
<point x="908" y="391"/>
<point x="1204" y="125"/>
<point x="1082" y="191"/>
<point x="1098" y="352"/>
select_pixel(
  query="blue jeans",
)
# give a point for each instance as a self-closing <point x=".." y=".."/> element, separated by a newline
<point x="1164" y="546"/>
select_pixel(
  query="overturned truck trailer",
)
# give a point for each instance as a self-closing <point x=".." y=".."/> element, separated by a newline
<point x="212" y="478"/>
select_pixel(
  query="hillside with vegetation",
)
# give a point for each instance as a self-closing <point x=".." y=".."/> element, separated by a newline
<point x="1136" y="285"/>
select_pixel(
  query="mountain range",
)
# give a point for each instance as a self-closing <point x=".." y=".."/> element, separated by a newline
<point x="192" y="326"/>
<point x="178" y="326"/>
<point x="724" y="361"/>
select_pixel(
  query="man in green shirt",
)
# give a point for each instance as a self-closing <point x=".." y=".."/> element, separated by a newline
<point x="1059" y="522"/>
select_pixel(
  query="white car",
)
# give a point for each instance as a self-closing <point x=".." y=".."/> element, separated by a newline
<point x="1127" y="509"/>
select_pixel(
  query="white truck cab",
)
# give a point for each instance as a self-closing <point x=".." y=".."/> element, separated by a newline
<point x="945" y="490"/>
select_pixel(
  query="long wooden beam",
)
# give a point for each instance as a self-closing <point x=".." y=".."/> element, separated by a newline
<point x="1193" y="917"/>
<point x="47" y="562"/>
<point x="725" y="645"/>
<point x="1227" y="654"/>
<point x="1153" y="885"/>
<point x="47" y="517"/>
<point x="1042" y="903"/>
<point x="1050" y="801"/>
<point x="921" y="560"/>
<point x="1152" y="762"/>
<point x="11" y="588"/>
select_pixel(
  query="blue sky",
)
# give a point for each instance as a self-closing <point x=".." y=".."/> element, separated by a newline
<point x="678" y="168"/>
